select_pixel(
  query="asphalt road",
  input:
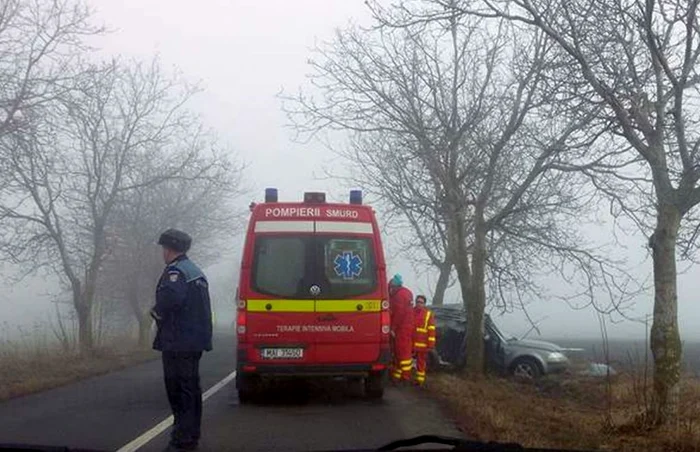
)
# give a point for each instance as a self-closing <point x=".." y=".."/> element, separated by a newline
<point x="109" y="411"/>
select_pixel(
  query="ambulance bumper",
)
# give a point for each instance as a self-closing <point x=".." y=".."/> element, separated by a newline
<point x="334" y="370"/>
<point x="312" y="370"/>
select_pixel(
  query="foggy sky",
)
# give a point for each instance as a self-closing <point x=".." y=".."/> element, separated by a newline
<point x="245" y="52"/>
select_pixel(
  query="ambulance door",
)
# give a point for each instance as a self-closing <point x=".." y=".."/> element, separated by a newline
<point x="278" y="322"/>
<point x="348" y="317"/>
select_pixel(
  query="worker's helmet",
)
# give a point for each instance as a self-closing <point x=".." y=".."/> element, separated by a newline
<point x="175" y="240"/>
<point x="396" y="281"/>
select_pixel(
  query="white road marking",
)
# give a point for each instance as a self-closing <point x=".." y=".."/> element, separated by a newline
<point x="168" y="421"/>
<point x="214" y="389"/>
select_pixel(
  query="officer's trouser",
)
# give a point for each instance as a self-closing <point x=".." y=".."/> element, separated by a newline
<point x="403" y="351"/>
<point x="181" y="372"/>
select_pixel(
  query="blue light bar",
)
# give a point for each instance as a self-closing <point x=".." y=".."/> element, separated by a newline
<point x="355" y="196"/>
<point x="270" y="195"/>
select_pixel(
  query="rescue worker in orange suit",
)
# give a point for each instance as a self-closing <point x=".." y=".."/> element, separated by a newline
<point x="401" y="305"/>
<point x="423" y="337"/>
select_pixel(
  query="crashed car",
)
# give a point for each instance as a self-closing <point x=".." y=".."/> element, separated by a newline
<point x="506" y="355"/>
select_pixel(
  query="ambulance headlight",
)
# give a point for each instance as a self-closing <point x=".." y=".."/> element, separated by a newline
<point x="241" y="304"/>
<point x="386" y="329"/>
<point x="240" y="329"/>
<point x="385" y="305"/>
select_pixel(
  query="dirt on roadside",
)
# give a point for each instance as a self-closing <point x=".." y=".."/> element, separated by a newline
<point x="569" y="412"/>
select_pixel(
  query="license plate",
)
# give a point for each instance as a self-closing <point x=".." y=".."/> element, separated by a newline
<point x="282" y="353"/>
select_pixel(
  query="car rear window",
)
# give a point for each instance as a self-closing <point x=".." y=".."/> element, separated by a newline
<point x="289" y="267"/>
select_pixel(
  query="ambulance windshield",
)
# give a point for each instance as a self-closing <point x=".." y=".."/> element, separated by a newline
<point x="307" y="267"/>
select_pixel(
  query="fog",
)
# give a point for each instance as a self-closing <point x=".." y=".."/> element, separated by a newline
<point x="244" y="54"/>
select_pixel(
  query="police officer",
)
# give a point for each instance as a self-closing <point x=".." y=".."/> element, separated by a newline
<point x="183" y="316"/>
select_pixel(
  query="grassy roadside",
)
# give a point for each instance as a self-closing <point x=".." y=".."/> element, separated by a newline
<point x="28" y="370"/>
<point x="575" y="412"/>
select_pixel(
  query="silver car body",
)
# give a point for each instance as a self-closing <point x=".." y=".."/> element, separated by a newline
<point x="550" y="357"/>
<point x="510" y="355"/>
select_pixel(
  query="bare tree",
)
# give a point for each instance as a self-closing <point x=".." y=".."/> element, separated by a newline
<point x="406" y="210"/>
<point x="198" y="201"/>
<point x="40" y="42"/>
<point x="456" y="118"/>
<point x="637" y="60"/>
<point x="73" y="160"/>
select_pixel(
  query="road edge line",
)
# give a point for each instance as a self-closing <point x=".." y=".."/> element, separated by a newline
<point x="163" y="425"/>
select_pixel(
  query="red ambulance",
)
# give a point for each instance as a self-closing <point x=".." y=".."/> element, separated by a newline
<point x="312" y="296"/>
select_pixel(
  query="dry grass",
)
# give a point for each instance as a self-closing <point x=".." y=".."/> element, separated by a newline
<point x="25" y="369"/>
<point x="566" y="413"/>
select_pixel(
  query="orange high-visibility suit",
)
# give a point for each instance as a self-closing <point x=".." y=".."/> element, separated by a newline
<point x="423" y="339"/>
<point x="400" y="300"/>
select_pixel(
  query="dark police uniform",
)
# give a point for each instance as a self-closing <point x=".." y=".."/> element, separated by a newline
<point x="183" y="317"/>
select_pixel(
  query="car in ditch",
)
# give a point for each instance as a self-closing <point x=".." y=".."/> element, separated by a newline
<point x="506" y="355"/>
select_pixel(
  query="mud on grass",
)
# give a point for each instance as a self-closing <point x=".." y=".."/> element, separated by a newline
<point x="24" y="372"/>
<point x="566" y="413"/>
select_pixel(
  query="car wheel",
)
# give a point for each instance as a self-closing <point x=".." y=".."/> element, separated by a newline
<point x="526" y="369"/>
<point x="374" y="386"/>
<point x="433" y="361"/>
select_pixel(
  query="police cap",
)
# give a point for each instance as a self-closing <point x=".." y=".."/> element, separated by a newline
<point x="175" y="240"/>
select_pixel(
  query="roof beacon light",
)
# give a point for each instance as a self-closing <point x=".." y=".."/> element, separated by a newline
<point x="314" y="197"/>
<point x="270" y="195"/>
<point x="355" y="196"/>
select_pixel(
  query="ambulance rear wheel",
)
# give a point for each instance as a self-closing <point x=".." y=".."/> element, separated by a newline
<point x="374" y="386"/>
<point x="246" y="397"/>
<point x="248" y="389"/>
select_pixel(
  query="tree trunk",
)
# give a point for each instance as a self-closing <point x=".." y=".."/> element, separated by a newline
<point x="665" y="337"/>
<point x="85" y="344"/>
<point x="441" y="286"/>
<point x="85" y="327"/>
<point x="476" y="302"/>
<point x="143" y="318"/>
<point x="468" y="277"/>
<point x="144" y="331"/>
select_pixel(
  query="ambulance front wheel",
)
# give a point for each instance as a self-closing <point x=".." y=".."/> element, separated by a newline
<point x="374" y="385"/>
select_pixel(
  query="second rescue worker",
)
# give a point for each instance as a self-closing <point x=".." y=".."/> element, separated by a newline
<point x="423" y="338"/>
<point x="401" y="305"/>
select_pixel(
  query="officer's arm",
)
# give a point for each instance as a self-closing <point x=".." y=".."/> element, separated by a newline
<point x="171" y="293"/>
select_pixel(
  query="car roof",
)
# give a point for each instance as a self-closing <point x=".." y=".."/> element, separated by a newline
<point x="453" y="311"/>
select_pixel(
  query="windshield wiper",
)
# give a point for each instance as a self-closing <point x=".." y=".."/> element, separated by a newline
<point x="40" y="448"/>
<point x="464" y="445"/>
